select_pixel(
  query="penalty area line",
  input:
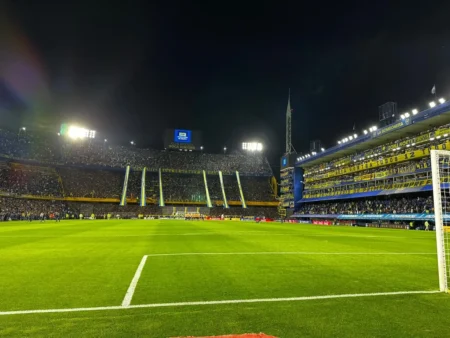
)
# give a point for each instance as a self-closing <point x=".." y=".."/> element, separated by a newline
<point x="130" y="292"/>
<point x="286" y="253"/>
<point x="217" y="302"/>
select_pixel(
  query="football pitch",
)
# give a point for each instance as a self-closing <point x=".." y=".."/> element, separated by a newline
<point x="171" y="278"/>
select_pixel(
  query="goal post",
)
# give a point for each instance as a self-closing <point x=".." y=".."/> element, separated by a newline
<point x="440" y="171"/>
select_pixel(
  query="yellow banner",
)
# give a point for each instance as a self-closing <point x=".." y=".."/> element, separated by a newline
<point x="382" y="174"/>
<point x="366" y="177"/>
<point x="406" y="156"/>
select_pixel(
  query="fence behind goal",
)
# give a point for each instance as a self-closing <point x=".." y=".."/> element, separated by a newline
<point x="440" y="169"/>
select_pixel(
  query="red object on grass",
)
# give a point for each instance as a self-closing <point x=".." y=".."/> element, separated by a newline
<point x="245" y="335"/>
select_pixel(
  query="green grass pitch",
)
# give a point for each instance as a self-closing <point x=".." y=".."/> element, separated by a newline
<point x="83" y="264"/>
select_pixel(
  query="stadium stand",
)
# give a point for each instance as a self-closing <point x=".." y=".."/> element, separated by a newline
<point x="52" y="173"/>
<point x="385" y="171"/>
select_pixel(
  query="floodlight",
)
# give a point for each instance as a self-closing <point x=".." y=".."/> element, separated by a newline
<point x="365" y="132"/>
<point x="106" y="140"/>
<point x="415" y="111"/>
<point x="323" y="149"/>
<point x="23" y="128"/>
<point x="350" y="137"/>
<point x="441" y="100"/>
<point x="407" y="115"/>
<point x="432" y="104"/>
<point x="339" y="142"/>
<point x="402" y="117"/>
<point x="132" y="143"/>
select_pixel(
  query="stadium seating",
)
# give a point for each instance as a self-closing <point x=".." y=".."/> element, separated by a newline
<point x="47" y="166"/>
<point x="404" y="204"/>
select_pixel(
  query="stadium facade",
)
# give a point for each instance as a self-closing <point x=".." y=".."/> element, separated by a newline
<point x="380" y="176"/>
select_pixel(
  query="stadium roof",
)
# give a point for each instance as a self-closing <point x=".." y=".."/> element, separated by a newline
<point x="411" y="126"/>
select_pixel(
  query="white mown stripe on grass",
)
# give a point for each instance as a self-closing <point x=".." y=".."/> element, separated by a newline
<point x="286" y="253"/>
<point x="216" y="302"/>
<point x="130" y="292"/>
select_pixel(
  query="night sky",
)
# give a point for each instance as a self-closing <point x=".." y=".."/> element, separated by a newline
<point x="132" y="69"/>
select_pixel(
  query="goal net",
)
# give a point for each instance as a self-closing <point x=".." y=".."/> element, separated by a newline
<point x="440" y="169"/>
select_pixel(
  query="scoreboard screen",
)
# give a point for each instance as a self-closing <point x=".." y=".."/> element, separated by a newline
<point x="182" y="136"/>
<point x="183" y="139"/>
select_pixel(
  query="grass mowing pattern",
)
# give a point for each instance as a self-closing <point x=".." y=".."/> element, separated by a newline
<point x="91" y="263"/>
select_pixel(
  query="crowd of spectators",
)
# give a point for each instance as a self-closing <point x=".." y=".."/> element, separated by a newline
<point x="231" y="188"/>
<point x="184" y="187"/>
<point x="52" y="149"/>
<point x="257" y="189"/>
<point x="381" y="205"/>
<point x="91" y="183"/>
<point x="20" y="208"/>
<point x="19" y="179"/>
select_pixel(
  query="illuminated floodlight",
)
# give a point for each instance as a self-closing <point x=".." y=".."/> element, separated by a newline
<point x="350" y="137"/>
<point x="365" y="132"/>
<point x="80" y="133"/>
<point x="432" y="104"/>
<point x="415" y="111"/>
<point x="339" y="142"/>
<point x="201" y="147"/>
<point x="132" y="143"/>
<point x="407" y="115"/>
<point x="23" y="128"/>
<point x="374" y="128"/>
<point x="323" y="149"/>
<point x="252" y="146"/>
<point x="441" y="100"/>
<point x="105" y="140"/>
<point x="355" y="135"/>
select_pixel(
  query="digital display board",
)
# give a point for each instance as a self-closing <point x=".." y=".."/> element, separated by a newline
<point x="182" y="136"/>
<point x="182" y="139"/>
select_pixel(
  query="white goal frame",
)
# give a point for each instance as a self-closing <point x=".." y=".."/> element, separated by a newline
<point x="439" y="217"/>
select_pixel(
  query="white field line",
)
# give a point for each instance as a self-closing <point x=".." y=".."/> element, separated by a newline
<point x="215" y="302"/>
<point x="286" y="253"/>
<point x="213" y="234"/>
<point x="130" y="292"/>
